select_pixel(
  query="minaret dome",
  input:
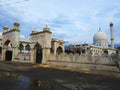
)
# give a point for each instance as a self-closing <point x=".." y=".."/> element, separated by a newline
<point x="46" y="28"/>
<point x="16" y="23"/>
<point x="111" y="24"/>
<point x="5" y="28"/>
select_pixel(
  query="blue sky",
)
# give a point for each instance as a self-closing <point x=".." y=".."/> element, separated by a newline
<point x="75" y="21"/>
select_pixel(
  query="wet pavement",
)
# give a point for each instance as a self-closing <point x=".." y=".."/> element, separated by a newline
<point x="19" y="76"/>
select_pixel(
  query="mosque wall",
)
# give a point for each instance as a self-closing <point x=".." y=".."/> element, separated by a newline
<point x="111" y="51"/>
<point x="24" y="56"/>
<point x="111" y="63"/>
<point x="83" y="59"/>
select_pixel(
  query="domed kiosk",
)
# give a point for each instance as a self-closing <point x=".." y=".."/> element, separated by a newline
<point x="100" y="39"/>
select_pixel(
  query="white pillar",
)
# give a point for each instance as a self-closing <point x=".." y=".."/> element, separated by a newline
<point x="32" y="53"/>
<point x="55" y="47"/>
<point x="112" y="35"/>
<point x="24" y="45"/>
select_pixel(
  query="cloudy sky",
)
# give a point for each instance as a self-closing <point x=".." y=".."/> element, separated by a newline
<point x="75" y="21"/>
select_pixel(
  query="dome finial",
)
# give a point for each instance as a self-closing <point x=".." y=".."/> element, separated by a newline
<point x="99" y="28"/>
<point x="34" y="30"/>
<point x="16" y="23"/>
<point x="46" y="25"/>
<point x="46" y="28"/>
<point x="111" y="24"/>
<point x="5" y="28"/>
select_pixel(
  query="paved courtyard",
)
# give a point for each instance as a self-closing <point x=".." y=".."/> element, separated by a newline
<point x="46" y="77"/>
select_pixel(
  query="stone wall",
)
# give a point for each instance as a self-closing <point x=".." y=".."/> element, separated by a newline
<point x="83" y="59"/>
<point x="104" y="62"/>
<point x="24" y="56"/>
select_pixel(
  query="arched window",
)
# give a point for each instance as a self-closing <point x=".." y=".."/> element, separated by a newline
<point x="78" y="51"/>
<point x="37" y="45"/>
<point x="59" y="50"/>
<point x="21" y="47"/>
<point x="106" y="52"/>
<point x="27" y="47"/>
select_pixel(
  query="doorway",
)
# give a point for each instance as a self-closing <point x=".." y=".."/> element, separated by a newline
<point x="59" y="50"/>
<point x="8" y="55"/>
<point x="38" y="53"/>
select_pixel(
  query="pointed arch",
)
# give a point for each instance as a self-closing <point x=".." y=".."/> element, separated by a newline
<point x="6" y="42"/>
<point x="8" y="50"/>
<point x="21" y="47"/>
<point x="59" y="50"/>
<point x="106" y="52"/>
<point x="27" y="47"/>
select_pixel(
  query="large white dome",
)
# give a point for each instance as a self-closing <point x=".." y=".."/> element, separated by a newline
<point x="100" y="37"/>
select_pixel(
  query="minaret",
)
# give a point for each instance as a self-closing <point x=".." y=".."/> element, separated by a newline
<point x="112" y="35"/>
<point x="99" y="29"/>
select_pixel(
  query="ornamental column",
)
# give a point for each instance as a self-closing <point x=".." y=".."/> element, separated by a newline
<point x="112" y="35"/>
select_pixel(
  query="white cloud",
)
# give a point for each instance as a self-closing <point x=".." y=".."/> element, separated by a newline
<point x="81" y="26"/>
<point x="22" y="36"/>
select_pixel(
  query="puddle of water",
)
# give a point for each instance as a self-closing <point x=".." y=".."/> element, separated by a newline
<point x="23" y="83"/>
<point x="12" y="81"/>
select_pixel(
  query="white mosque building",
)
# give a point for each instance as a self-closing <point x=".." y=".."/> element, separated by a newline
<point x="100" y="44"/>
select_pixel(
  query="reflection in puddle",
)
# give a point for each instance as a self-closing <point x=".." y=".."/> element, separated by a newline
<point x="34" y="83"/>
<point x="23" y="83"/>
<point x="44" y="85"/>
<point x="17" y="82"/>
<point x="26" y="84"/>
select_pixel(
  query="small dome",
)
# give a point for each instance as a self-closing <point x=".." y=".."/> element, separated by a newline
<point x="46" y="28"/>
<point x="111" y="24"/>
<point x="5" y="28"/>
<point x="54" y="39"/>
<point x="16" y="23"/>
<point x="60" y="40"/>
<point x="34" y="30"/>
<point x="100" y="37"/>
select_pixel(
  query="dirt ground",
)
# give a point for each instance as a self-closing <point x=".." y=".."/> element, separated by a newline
<point x="36" y="76"/>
